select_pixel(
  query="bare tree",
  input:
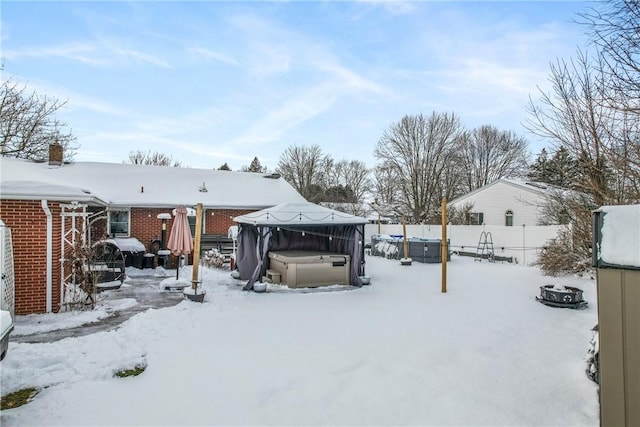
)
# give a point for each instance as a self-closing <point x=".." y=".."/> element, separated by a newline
<point x="459" y="215"/>
<point x="572" y="117"/>
<point x="352" y="175"/>
<point x="592" y="111"/>
<point x="149" y="158"/>
<point x="488" y="154"/>
<point x="613" y="28"/>
<point x="305" y="169"/>
<point x="570" y="251"/>
<point x="601" y="141"/>
<point x="28" y="124"/>
<point x="347" y="185"/>
<point x="418" y="149"/>
<point x="386" y="187"/>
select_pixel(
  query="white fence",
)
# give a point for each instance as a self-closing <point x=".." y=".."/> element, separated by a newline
<point x="523" y="243"/>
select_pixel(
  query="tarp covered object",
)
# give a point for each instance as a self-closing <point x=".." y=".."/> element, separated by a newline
<point x="297" y="226"/>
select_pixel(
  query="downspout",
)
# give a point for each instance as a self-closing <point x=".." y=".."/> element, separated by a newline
<point x="47" y="212"/>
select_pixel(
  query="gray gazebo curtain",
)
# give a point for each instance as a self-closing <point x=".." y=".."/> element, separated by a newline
<point x="255" y="242"/>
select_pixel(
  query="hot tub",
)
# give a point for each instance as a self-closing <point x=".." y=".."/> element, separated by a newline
<point x="304" y="269"/>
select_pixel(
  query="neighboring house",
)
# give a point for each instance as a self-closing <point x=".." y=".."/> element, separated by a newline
<point x="373" y="213"/>
<point x="503" y="202"/>
<point x="46" y="204"/>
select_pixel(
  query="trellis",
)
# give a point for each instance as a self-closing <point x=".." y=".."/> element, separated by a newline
<point x="74" y="235"/>
<point x="8" y="279"/>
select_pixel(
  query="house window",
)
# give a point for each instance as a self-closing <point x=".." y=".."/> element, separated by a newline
<point x="475" y="218"/>
<point x="508" y="218"/>
<point x="119" y="222"/>
<point x="191" y="218"/>
<point x="192" y="224"/>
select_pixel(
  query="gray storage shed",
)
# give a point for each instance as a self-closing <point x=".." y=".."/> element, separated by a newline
<point x="616" y="254"/>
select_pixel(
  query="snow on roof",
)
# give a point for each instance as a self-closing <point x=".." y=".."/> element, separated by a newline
<point x="142" y="186"/>
<point x="539" y="187"/>
<point x="299" y="214"/>
<point x="531" y="186"/>
<point x="620" y="238"/>
<point x="43" y="190"/>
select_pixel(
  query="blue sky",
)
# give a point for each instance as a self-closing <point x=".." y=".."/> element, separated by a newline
<point x="216" y="82"/>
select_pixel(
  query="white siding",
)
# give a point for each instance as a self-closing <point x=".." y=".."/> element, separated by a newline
<point x="496" y="199"/>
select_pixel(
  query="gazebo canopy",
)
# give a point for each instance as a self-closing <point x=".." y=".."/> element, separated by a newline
<point x="297" y="226"/>
<point x="299" y="214"/>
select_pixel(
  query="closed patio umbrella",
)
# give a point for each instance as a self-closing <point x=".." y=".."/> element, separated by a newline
<point x="180" y="240"/>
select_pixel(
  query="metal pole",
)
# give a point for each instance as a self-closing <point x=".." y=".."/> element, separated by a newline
<point x="404" y="235"/>
<point x="443" y="245"/>
<point x="164" y="234"/>
<point x="524" y="251"/>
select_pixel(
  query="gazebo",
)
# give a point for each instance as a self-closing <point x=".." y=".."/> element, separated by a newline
<point x="298" y="227"/>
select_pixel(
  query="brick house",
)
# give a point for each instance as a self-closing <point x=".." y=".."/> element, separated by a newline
<point x="40" y="201"/>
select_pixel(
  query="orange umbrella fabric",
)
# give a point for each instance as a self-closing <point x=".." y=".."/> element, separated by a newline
<point x="180" y="241"/>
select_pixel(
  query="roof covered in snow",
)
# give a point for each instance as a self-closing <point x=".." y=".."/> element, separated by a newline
<point x="128" y="185"/>
<point x="530" y="186"/>
<point x="305" y="213"/>
<point x="620" y="235"/>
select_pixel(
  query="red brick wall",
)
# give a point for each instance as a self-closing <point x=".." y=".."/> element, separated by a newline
<point x="146" y="226"/>
<point x="218" y="221"/>
<point x="28" y="224"/>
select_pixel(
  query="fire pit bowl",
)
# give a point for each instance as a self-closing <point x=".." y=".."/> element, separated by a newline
<point x="561" y="296"/>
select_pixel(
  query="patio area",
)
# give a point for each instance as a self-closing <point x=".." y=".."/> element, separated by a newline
<point x="139" y="292"/>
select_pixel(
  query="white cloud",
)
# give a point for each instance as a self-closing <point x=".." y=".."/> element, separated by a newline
<point x="89" y="53"/>
<point x="395" y="7"/>
<point x="81" y="52"/>
<point x="270" y="59"/>
<point x="140" y="56"/>
<point x="212" y="55"/>
<point x="74" y="100"/>
<point x="351" y="81"/>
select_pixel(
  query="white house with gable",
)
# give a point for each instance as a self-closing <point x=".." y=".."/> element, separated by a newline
<point x="504" y="202"/>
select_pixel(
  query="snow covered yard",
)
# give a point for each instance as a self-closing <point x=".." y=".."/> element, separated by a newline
<point x="398" y="352"/>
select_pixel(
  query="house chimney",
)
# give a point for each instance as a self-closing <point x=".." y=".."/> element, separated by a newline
<point x="55" y="154"/>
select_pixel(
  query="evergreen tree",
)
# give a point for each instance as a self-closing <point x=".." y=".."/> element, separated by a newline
<point x="255" y="166"/>
<point x="563" y="169"/>
<point x="539" y="170"/>
<point x="224" y="167"/>
<point x="560" y="170"/>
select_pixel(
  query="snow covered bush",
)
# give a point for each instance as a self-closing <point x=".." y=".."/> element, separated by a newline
<point x="213" y="258"/>
<point x="558" y="257"/>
